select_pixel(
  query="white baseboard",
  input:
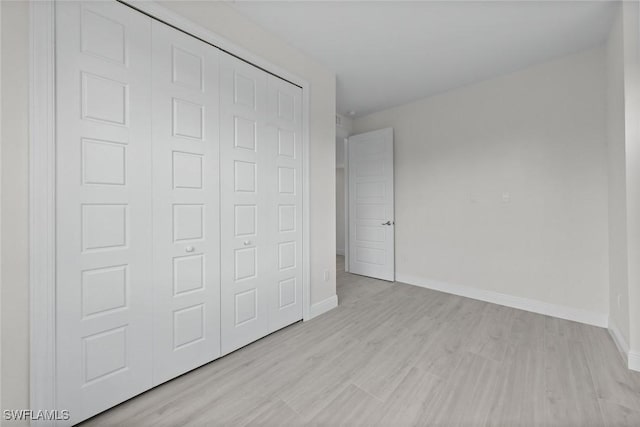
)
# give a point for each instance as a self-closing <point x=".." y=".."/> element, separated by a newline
<point x="632" y="358"/>
<point x="323" y="306"/>
<point x="535" y="306"/>
<point x="340" y="252"/>
<point x="619" y="339"/>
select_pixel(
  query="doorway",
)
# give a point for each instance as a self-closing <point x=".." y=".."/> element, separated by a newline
<point x="365" y="221"/>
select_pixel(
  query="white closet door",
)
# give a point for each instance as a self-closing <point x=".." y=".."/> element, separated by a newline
<point x="103" y="206"/>
<point x="284" y="161"/>
<point x="244" y="198"/>
<point x="261" y="200"/>
<point x="186" y="203"/>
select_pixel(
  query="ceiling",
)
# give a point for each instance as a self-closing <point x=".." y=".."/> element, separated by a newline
<point x="388" y="53"/>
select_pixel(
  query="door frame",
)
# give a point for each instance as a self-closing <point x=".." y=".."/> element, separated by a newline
<point x="346" y="203"/>
<point x="42" y="185"/>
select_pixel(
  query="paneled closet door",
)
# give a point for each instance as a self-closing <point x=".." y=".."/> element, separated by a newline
<point x="245" y="214"/>
<point x="261" y="203"/>
<point x="186" y="203"/>
<point x="103" y="206"/>
<point x="284" y="115"/>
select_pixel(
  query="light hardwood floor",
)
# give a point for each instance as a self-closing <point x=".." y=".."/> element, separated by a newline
<point x="394" y="354"/>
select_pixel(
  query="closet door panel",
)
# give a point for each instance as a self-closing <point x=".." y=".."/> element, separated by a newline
<point x="285" y="202"/>
<point x="244" y="193"/>
<point x="186" y="220"/>
<point x="103" y="206"/>
<point x="179" y="204"/>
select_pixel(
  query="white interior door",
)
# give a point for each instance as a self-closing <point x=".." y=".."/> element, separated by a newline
<point x="103" y="206"/>
<point x="186" y="219"/>
<point x="371" y="204"/>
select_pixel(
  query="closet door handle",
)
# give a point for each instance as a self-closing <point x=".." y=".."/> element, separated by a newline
<point x="189" y="249"/>
<point x="386" y="223"/>
<point x="247" y="242"/>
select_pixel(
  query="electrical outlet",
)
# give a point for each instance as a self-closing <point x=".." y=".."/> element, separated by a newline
<point x="326" y="275"/>
<point x="506" y="197"/>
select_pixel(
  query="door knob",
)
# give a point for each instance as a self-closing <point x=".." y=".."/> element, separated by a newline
<point x="386" y="223"/>
<point x="247" y="242"/>
<point x="189" y="249"/>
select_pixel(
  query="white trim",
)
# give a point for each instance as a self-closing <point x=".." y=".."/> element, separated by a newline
<point x="306" y="204"/>
<point x="42" y="206"/>
<point x="323" y="306"/>
<point x="560" y="311"/>
<point x="42" y="182"/>
<point x="1" y="139"/>
<point x="618" y="339"/>
<point x="346" y="204"/>
<point x="634" y="361"/>
<point x="631" y="358"/>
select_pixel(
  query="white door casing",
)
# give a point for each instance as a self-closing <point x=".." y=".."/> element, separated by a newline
<point x="104" y="252"/>
<point x="186" y="237"/>
<point x="371" y="204"/>
<point x="346" y="205"/>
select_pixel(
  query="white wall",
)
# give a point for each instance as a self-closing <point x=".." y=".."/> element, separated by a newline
<point x="219" y="18"/>
<point x="339" y="152"/>
<point x="535" y="137"/>
<point x="343" y="130"/>
<point x="618" y="261"/>
<point x="344" y="126"/>
<point x="14" y="294"/>
<point x="340" y="212"/>
<point x="631" y="34"/>
<point x="623" y="128"/>
<point x="340" y="190"/>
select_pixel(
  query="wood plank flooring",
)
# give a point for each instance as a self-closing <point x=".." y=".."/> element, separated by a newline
<point x="394" y="354"/>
